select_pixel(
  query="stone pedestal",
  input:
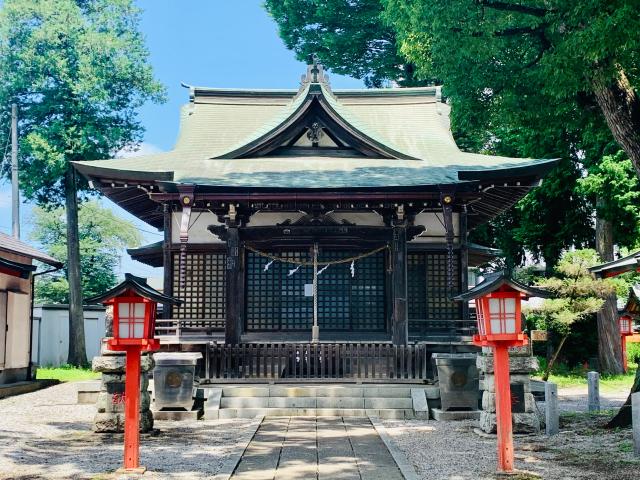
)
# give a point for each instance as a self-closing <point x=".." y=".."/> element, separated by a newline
<point x="110" y="403"/>
<point x="524" y="412"/>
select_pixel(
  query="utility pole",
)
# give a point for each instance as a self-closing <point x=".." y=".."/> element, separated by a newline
<point x="15" y="192"/>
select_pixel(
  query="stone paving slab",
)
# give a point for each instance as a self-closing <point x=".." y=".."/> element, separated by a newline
<point x="321" y="448"/>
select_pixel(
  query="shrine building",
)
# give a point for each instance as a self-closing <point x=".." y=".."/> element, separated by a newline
<point x="343" y="210"/>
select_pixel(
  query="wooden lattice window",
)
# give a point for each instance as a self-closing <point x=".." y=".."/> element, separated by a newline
<point x="439" y="303"/>
<point x="416" y="286"/>
<point x="428" y="290"/>
<point x="203" y="291"/>
<point x="352" y="303"/>
<point x="277" y="301"/>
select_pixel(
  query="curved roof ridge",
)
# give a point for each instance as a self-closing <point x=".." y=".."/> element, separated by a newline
<point x="295" y="108"/>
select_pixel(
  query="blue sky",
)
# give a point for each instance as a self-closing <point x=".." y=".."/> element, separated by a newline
<point x="198" y="42"/>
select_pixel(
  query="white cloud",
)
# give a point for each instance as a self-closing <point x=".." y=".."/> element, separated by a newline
<point x="143" y="148"/>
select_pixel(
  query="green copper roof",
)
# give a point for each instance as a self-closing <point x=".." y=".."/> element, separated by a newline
<point x="409" y="127"/>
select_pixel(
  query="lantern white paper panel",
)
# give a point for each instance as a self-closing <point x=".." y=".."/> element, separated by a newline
<point x="503" y="315"/>
<point x="131" y="318"/>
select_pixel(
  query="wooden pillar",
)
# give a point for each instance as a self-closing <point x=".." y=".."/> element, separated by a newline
<point x="400" y="327"/>
<point x="167" y="260"/>
<point x="464" y="261"/>
<point x="233" y="326"/>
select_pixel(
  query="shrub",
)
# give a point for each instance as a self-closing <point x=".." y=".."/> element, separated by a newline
<point x="633" y="353"/>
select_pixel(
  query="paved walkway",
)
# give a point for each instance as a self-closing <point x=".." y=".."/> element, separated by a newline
<point x="321" y="448"/>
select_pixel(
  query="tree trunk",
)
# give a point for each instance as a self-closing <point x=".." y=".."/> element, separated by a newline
<point x="547" y="372"/>
<point x="621" y="108"/>
<point x="77" y="351"/>
<point x="609" y="349"/>
<point x="623" y="417"/>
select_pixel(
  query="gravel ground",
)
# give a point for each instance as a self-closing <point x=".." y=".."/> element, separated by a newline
<point x="582" y="450"/>
<point x="576" y="399"/>
<point x="45" y="434"/>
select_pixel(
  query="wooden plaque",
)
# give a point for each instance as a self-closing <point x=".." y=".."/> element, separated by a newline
<point x="539" y="335"/>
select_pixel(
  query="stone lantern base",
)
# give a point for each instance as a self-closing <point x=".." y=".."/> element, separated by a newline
<point x="110" y="403"/>
<point x="524" y="412"/>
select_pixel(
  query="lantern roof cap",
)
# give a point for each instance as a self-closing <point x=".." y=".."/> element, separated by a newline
<point x="616" y="267"/>
<point x="632" y="306"/>
<point x="138" y="285"/>
<point x="495" y="281"/>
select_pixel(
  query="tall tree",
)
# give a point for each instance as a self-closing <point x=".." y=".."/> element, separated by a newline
<point x="349" y="36"/>
<point x="613" y="185"/>
<point x="102" y="237"/>
<point x="586" y="51"/>
<point x="78" y="71"/>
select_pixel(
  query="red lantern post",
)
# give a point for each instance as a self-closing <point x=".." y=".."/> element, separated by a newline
<point x="498" y="310"/>
<point x="626" y="329"/>
<point x="134" y="314"/>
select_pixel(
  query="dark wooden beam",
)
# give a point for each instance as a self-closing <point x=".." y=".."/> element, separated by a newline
<point x="234" y="277"/>
<point x="464" y="261"/>
<point x="167" y="260"/>
<point x="400" y="323"/>
<point x="259" y="194"/>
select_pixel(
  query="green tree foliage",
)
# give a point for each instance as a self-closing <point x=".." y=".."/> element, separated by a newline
<point x="349" y="36"/>
<point x="576" y="294"/>
<point x="614" y="181"/>
<point x="78" y="72"/>
<point x="563" y="61"/>
<point x="102" y="238"/>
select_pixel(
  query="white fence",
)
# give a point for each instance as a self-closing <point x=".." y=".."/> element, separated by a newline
<point x="50" y="341"/>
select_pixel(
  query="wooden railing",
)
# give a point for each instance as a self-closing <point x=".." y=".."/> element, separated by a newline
<point x="178" y="327"/>
<point x="300" y="361"/>
<point x="449" y="328"/>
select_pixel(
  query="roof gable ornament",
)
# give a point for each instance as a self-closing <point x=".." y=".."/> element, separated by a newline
<point x="315" y="72"/>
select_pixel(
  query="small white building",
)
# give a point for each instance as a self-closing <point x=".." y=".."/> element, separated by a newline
<point x="50" y="340"/>
<point x="16" y="289"/>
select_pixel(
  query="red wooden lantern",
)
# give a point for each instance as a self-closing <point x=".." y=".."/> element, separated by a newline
<point x="499" y="317"/>
<point x="134" y="319"/>
<point x="498" y="309"/>
<point x="626" y="325"/>
<point x="134" y="315"/>
<point x="626" y="329"/>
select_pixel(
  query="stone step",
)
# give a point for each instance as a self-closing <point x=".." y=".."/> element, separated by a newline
<point x="244" y="402"/>
<point x="316" y="402"/>
<point x="388" y="402"/>
<point x="388" y="391"/>
<point x="391" y="413"/>
<point x="236" y="391"/>
<point x="332" y="391"/>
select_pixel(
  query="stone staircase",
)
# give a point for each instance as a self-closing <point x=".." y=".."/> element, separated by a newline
<point x="385" y="401"/>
